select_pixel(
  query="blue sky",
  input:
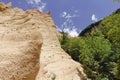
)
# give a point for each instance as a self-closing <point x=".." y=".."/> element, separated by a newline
<point x="72" y="15"/>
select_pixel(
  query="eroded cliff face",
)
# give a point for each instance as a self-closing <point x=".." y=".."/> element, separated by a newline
<point x="19" y="47"/>
<point x="20" y="33"/>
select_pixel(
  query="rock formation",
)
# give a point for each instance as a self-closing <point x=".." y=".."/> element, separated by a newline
<point x="21" y="33"/>
<point x="19" y="46"/>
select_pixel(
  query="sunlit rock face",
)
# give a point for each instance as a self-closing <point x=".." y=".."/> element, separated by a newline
<point x="19" y="46"/>
<point x="22" y="33"/>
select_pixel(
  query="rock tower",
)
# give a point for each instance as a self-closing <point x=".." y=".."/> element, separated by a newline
<point x="22" y="33"/>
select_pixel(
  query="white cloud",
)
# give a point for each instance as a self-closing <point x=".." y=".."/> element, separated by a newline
<point x="37" y="1"/>
<point x="72" y="32"/>
<point x="41" y="8"/>
<point x="58" y="29"/>
<point x="68" y="25"/>
<point x="68" y="19"/>
<point x="63" y="14"/>
<point x="71" y="16"/>
<point x="66" y="30"/>
<point x="68" y="15"/>
<point x="94" y="18"/>
<point x="37" y="4"/>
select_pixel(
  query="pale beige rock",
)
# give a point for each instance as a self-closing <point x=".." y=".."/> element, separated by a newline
<point x="55" y="63"/>
<point x="20" y="28"/>
<point x="19" y="47"/>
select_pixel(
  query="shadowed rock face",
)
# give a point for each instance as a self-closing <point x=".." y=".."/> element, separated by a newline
<point x="21" y="45"/>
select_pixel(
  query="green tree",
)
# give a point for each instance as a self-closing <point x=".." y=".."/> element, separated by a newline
<point x="94" y="53"/>
<point x="110" y="27"/>
<point x="98" y="48"/>
<point x="64" y="41"/>
<point x="71" y="46"/>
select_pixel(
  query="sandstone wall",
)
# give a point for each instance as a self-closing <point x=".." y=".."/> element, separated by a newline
<point x="19" y="47"/>
<point x="26" y="26"/>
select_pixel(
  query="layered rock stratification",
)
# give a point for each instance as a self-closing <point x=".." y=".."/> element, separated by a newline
<point x="23" y="30"/>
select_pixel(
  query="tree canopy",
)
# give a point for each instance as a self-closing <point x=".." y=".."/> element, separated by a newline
<point x="98" y="48"/>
